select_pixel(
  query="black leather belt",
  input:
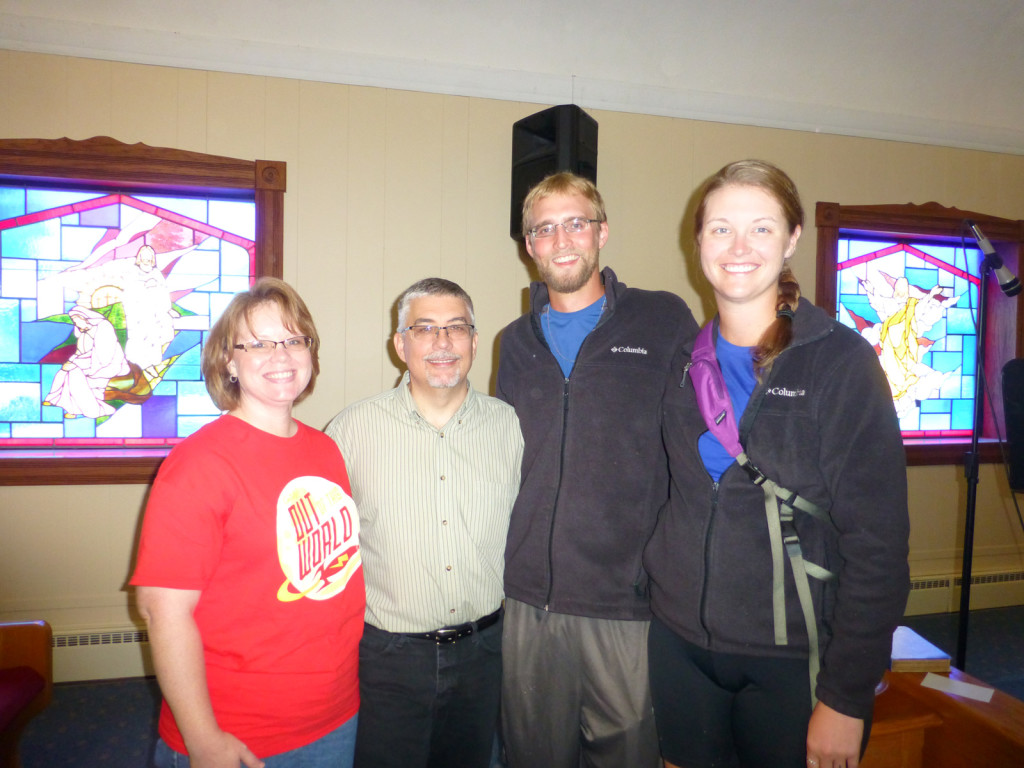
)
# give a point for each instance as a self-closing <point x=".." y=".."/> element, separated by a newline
<point x="451" y="634"/>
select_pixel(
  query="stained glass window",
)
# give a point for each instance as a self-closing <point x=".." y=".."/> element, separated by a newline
<point x="916" y="302"/>
<point x="105" y="300"/>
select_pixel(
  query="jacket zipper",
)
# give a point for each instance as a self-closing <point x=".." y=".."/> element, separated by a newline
<point x="707" y="563"/>
<point x="561" y="468"/>
<point x="561" y="453"/>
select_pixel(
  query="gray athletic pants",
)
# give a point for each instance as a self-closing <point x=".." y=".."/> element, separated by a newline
<point x="575" y="691"/>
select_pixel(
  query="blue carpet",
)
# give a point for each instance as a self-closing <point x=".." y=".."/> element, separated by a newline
<point x="108" y="723"/>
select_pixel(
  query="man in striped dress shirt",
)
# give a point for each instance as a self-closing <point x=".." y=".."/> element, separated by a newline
<point x="434" y="467"/>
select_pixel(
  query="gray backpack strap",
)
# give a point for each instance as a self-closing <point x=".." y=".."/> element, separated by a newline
<point x="785" y="542"/>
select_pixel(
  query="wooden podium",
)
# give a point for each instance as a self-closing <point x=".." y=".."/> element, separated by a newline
<point x="917" y="727"/>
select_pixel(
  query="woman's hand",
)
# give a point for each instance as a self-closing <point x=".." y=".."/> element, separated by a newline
<point x="181" y="671"/>
<point x="833" y="739"/>
<point x="220" y="749"/>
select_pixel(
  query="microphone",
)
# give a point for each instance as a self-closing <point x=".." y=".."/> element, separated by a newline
<point x="1008" y="282"/>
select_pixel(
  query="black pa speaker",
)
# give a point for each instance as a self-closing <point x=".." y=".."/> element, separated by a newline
<point x="562" y="138"/>
<point x="1013" y="408"/>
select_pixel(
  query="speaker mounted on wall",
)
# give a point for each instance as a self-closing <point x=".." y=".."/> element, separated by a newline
<point x="562" y="138"/>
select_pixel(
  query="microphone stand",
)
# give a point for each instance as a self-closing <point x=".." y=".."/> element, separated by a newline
<point x="971" y="471"/>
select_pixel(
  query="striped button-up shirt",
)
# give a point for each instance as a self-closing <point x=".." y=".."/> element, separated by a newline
<point x="434" y="506"/>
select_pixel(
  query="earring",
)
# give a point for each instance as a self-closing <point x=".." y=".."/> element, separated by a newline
<point x="233" y="379"/>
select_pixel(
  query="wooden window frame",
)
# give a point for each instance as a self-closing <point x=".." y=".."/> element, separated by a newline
<point x="106" y="162"/>
<point x="1003" y="314"/>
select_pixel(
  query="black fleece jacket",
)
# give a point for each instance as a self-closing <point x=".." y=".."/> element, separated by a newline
<point x="594" y="467"/>
<point x="822" y="425"/>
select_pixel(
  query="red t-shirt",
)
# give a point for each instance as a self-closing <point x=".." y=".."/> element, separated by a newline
<point x="265" y="528"/>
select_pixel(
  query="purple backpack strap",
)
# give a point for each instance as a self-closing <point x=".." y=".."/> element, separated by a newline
<point x="712" y="394"/>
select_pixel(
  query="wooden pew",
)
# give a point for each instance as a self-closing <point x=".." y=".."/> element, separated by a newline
<point x="26" y="681"/>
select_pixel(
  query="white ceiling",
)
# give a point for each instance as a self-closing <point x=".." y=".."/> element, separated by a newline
<point x="947" y="72"/>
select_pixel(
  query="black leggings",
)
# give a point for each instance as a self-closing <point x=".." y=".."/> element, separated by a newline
<point x="725" y="710"/>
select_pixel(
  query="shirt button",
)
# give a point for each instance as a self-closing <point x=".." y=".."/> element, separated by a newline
<point x="442" y="434"/>
<point x="443" y="477"/>
<point x="444" y="522"/>
<point x="447" y="567"/>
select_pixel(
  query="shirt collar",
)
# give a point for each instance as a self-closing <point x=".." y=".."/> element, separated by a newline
<point x="409" y="405"/>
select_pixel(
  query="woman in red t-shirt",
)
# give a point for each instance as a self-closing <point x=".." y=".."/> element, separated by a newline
<point x="249" y="573"/>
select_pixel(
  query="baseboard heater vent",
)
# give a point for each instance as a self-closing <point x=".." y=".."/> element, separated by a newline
<point x="992" y="578"/>
<point x="101" y="638"/>
<point x="929" y="584"/>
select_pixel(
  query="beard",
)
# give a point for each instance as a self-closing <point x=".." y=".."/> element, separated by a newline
<point x="570" y="281"/>
<point x="444" y="379"/>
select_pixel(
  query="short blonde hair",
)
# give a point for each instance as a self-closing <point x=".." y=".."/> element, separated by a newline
<point x="562" y="183"/>
<point x="222" y="337"/>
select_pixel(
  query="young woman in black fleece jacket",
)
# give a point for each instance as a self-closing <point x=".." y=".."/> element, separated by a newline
<point x="815" y="414"/>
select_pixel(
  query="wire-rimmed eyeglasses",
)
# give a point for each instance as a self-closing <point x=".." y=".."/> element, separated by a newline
<point x="266" y="347"/>
<point x="455" y="332"/>
<point x="571" y="226"/>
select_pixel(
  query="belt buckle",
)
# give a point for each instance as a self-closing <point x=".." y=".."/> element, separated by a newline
<point x="446" y="636"/>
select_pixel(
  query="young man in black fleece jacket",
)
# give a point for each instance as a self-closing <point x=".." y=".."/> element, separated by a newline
<point x="585" y="370"/>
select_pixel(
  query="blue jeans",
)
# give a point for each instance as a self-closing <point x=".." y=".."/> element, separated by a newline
<point x="425" y="704"/>
<point x="334" y="750"/>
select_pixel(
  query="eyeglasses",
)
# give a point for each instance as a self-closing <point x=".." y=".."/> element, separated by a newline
<point x="571" y="226"/>
<point x="266" y="347"/>
<point x="457" y="332"/>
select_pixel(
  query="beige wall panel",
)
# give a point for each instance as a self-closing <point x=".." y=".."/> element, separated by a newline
<point x="649" y="168"/>
<point x="715" y="144"/>
<point x="997" y="528"/>
<point x="91" y="97"/>
<point x="454" y="193"/>
<point x="496" y="270"/>
<point x="848" y="171"/>
<point x="916" y="175"/>
<point x="792" y="150"/>
<point x="937" y="498"/>
<point x="414" y="163"/>
<point x="6" y="88"/>
<point x="35" y="100"/>
<point x="320" y="256"/>
<point x="475" y="244"/>
<point x="67" y="552"/>
<point x="971" y="178"/>
<point x="192" y="95"/>
<point x="938" y="502"/>
<point x="282" y="121"/>
<point x="901" y="175"/>
<point x="144" y="105"/>
<point x="1008" y="178"/>
<point x="368" y="368"/>
<point x="282" y="118"/>
<point x="236" y="115"/>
